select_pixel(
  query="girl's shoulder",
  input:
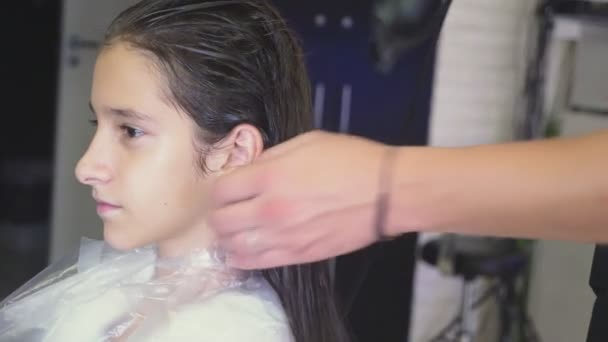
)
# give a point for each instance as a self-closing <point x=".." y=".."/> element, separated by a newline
<point x="74" y="296"/>
<point x="247" y="313"/>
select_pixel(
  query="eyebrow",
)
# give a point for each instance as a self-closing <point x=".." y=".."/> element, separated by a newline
<point x="125" y="113"/>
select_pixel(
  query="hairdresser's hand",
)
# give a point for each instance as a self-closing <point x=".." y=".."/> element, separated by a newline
<point x="309" y="199"/>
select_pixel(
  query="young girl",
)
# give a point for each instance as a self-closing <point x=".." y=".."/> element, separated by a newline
<point x="183" y="91"/>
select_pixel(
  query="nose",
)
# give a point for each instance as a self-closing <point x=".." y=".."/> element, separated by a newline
<point x="94" y="168"/>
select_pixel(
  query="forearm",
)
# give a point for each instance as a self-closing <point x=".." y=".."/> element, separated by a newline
<point x="547" y="189"/>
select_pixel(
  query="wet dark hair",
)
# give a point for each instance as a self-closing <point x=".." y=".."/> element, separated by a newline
<point x="228" y="63"/>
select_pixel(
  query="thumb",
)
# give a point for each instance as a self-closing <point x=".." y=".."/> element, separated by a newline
<point x="290" y="145"/>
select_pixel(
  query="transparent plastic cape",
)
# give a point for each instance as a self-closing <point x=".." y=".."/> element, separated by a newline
<point x="100" y="294"/>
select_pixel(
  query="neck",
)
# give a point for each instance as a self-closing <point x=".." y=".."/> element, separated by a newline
<point x="208" y="276"/>
<point x="196" y="238"/>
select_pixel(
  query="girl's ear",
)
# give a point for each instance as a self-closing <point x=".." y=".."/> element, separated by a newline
<point x="242" y="146"/>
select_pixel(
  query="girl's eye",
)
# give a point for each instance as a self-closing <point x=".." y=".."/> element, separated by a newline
<point x="93" y="122"/>
<point x="132" y="132"/>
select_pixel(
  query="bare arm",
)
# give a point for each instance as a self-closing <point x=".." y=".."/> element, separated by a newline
<point x="551" y="189"/>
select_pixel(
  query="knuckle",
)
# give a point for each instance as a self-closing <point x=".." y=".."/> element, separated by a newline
<point x="236" y="244"/>
<point x="276" y="212"/>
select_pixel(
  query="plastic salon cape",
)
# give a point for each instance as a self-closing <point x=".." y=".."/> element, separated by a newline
<point x="105" y="295"/>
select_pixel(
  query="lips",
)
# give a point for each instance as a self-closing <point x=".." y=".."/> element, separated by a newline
<point x="105" y="207"/>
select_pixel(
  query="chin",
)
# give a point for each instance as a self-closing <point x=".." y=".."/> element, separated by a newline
<point x="119" y="239"/>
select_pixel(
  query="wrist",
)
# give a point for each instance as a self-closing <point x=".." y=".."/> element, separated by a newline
<point x="412" y="191"/>
<point x="383" y="200"/>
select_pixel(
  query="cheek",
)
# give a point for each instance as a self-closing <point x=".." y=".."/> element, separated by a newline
<point x="157" y="179"/>
<point x="162" y="190"/>
<point x="165" y="200"/>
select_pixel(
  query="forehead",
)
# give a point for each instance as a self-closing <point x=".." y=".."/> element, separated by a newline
<point x="125" y="77"/>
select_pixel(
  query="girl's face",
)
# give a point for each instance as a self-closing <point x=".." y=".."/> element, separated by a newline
<point x="142" y="163"/>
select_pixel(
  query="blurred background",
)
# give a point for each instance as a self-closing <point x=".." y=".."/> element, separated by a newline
<point x="498" y="71"/>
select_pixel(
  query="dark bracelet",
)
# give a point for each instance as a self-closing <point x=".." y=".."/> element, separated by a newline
<point x="384" y="184"/>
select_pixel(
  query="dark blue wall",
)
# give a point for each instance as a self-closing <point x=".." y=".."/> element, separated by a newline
<point x="337" y="57"/>
<point x="373" y="285"/>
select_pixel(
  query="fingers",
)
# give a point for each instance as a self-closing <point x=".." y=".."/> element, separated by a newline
<point x="261" y="248"/>
<point x="254" y="241"/>
<point x="312" y="251"/>
<point x="321" y="238"/>
<point x="235" y="218"/>
<point x="240" y="185"/>
<point x="269" y="259"/>
<point x="283" y="253"/>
